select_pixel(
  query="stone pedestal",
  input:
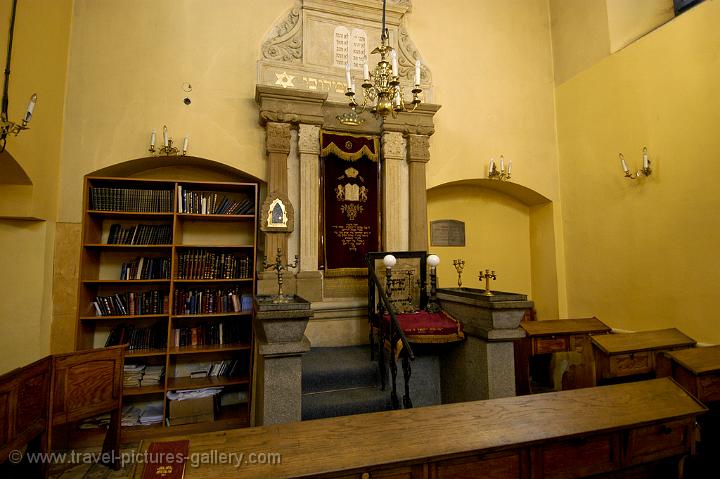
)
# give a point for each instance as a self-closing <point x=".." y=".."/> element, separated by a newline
<point x="280" y="333"/>
<point x="483" y="367"/>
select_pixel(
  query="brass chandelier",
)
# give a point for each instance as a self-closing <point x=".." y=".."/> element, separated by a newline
<point x="382" y="93"/>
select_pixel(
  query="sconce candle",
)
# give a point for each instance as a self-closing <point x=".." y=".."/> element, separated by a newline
<point x="417" y="72"/>
<point x="165" y="136"/>
<point x="646" y="161"/>
<point x="509" y="167"/>
<point x="30" y="108"/>
<point x="185" y="145"/>
<point x="152" y="140"/>
<point x="366" y="72"/>
<point x="491" y="166"/>
<point x="624" y="164"/>
<point x="347" y="75"/>
<point x="393" y="56"/>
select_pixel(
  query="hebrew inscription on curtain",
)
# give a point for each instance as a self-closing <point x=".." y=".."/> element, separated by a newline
<point x="350" y="196"/>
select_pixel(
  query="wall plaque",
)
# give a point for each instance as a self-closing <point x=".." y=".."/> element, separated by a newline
<point x="447" y="233"/>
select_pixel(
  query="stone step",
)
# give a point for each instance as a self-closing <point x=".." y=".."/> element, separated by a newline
<point x="344" y="402"/>
<point x="330" y="369"/>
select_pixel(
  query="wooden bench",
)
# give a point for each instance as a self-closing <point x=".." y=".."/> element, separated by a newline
<point x="565" y="434"/>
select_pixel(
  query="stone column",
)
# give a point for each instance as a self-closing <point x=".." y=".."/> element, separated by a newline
<point x="309" y="279"/>
<point x="395" y="231"/>
<point x="418" y="156"/>
<point x="277" y="145"/>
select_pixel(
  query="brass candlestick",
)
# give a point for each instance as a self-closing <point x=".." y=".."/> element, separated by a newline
<point x="487" y="276"/>
<point x="279" y="268"/>
<point x="459" y="265"/>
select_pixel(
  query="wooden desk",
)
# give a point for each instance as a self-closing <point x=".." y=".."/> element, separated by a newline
<point x="554" y="336"/>
<point x="629" y="354"/>
<point x="695" y="369"/>
<point x="564" y="434"/>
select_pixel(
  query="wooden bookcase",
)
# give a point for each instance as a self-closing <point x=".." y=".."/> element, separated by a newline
<point x="168" y="267"/>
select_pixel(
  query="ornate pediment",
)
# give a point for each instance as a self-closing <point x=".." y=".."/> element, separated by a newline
<point x="309" y="46"/>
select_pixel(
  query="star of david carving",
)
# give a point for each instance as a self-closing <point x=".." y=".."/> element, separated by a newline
<point x="285" y="80"/>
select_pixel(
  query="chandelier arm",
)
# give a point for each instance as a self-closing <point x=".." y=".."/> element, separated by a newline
<point x="5" y="100"/>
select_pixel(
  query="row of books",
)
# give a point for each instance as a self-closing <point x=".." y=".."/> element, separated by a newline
<point x="131" y="200"/>
<point x="227" y="368"/>
<point x="204" y="264"/>
<point x="137" y="338"/>
<point x="213" y="203"/>
<point x="132" y="303"/>
<point x="208" y="300"/>
<point x="140" y="234"/>
<point x="224" y="332"/>
<point x="141" y="375"/>
<point x="146" y="268"/>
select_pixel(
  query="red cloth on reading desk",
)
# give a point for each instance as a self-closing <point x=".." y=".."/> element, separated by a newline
<point x="426" y="327"/>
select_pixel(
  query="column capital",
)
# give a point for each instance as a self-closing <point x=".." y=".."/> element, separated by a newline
<point x="394" y="145"/>
<point x="278" y="137"/>
<point x="418" y="148"/>
<point x="309" y="139"/>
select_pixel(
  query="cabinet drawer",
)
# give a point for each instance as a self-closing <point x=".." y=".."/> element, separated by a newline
<point x="658" y="441"/>
<point x="490" y="466"/>
<point x="414" y="472"/>
<point x="633" y="363"/>
<point x="549" y="345"/>
<point x="709" y="388"/>
<point x="578" y="457"/>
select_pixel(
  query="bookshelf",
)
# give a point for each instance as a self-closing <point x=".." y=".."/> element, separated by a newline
<point x="168" y="268"/>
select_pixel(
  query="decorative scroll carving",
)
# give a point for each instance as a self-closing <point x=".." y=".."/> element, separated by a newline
<point x="394" y="145"/>
<point x="278" y="137"/>
<point x="418" y="148"/>
<point x="406" y="59"/>
<point x="309" y="139"/>
<point x="279" y="116"/>
<point x="286" y="39"/>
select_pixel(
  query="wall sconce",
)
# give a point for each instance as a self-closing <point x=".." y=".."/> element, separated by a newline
<point x="433" y="260"/>
<point x="645" y="170"/>
<point x="167" y="149"/>
<point x="459" y="265"/>
<point x="501" y="174"/>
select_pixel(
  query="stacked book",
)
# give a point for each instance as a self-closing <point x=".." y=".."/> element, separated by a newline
<point x="152" y="414"/>
<point x="132" y="375"/>
<point x="153" y="375"/>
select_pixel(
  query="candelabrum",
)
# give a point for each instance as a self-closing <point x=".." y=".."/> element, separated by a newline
<point x="278" y="267"/>
<point x="644" y="171"/>
<point x="382" y="92"/>
<point x="487" y="276"/>
<point x="8" y="127"/>
<point x="167" y="148"/>
<point x="459" y="265"/>
<point x="501" y="174"/>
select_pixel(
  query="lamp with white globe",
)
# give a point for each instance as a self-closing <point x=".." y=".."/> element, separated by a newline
<point x="389" y="261"/>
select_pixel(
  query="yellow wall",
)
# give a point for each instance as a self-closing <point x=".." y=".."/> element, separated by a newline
<point x="39" y="64"/>
<point x="642" y="254"/>
<point x="496" y="237"/>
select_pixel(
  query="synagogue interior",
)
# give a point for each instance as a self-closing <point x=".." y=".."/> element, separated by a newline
<point x="360" y="238"/>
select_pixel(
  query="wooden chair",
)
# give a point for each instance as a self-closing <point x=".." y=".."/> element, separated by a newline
<point x="24" y="398"/>
<point x="86" y="384"/>
<point x="401" y="312"/>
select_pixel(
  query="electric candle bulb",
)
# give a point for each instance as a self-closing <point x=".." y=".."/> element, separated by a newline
<point x="185" y="144"/>
<point x="30" y="108"/>
<point x="393" y="56"/>
<point x="347" y="75"/>
<point x="417" y="71"/>
<point x="509" y="167"/>
<point x="502" y="163"/>
<point x="165" y="136"/>
<point x="152" y="139"/>
<point x="491" y="166"/>
<point x="646" y="161"/>
<point x="366" y="72"/>
<point x="624" y="165"/>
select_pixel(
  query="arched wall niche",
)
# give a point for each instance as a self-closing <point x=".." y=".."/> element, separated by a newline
<point x="16" y="190"/>
<point x="508" y="228"/>
<point x="11" y="173"/>
<point x="188" y="168"/>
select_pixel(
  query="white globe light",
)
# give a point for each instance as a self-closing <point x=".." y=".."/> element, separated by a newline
<point x="389" y="261"/>
<point x="433" y="260"/>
